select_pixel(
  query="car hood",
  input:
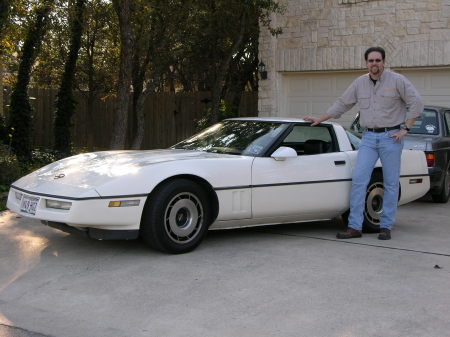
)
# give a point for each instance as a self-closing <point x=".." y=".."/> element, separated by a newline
<point x="80" y="175"/>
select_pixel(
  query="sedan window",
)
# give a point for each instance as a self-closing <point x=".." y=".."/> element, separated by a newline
<point x="447" y="121"/>
<point x="426" y="124"/>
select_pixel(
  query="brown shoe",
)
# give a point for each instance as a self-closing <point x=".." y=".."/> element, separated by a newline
<point x="385" y="234"/>
<point x="349" y="234"/>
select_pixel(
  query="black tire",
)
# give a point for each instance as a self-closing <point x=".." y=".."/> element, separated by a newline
<point x="373" y="204"/>
<point x="443" y="195"/>
<point x="176" y="217"/>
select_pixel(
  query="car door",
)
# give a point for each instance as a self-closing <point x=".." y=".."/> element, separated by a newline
<point x="313" y="185"/>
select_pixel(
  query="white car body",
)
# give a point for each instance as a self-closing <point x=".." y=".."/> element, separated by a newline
<point x="248" y="190"/>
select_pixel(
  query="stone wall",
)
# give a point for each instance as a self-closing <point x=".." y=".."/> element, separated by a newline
<point x="332" y="35"/>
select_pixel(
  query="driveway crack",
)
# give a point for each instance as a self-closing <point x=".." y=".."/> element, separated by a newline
<point x="355" y="243"/>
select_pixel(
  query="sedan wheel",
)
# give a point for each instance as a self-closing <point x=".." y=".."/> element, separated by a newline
<point x="176" y="217"/>
<point x="443" y="196"/>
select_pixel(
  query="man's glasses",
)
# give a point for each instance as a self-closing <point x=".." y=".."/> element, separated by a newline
<point x="374" y="60"/>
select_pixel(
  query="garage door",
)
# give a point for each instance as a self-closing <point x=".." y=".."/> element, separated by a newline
<point x="313" y="93"/>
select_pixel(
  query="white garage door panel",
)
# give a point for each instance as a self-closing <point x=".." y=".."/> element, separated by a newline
<point x="313" y="93"/>
<point x="432" y="84"/>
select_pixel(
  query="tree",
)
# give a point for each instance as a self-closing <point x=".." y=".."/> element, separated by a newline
<point x="158" y="45"/>
<point x="65" y="103"/>
<point x="4" y="15"/>
<point x="99" y="55"/>
<point x="222" y="35"/>
<point x="123" y="9"/>
<point x="155" y="28"/>
<point x="20" y="119"/>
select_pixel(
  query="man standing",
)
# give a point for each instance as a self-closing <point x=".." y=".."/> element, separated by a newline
<point x="382" y="97"/>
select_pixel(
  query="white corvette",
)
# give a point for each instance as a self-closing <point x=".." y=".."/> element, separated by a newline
<point x="240" y="172"/>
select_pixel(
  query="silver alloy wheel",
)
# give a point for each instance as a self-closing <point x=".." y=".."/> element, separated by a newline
<point x="374" y="202"/>
<point x="183" y="217"/>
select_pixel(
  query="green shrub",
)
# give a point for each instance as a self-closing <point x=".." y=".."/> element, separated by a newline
<point x="11" y="169"/>
<point x="9" y="166"/>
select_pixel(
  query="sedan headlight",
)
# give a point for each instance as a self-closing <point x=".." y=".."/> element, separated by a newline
<point x="19" y="195"/>
<point x="57" y="204"/>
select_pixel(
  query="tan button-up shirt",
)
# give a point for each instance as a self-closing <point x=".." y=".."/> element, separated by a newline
<point x="380" y="105"/>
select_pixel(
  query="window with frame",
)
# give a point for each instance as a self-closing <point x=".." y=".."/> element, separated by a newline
<point x="307" y="140"/>
<point x="447" y="121"/>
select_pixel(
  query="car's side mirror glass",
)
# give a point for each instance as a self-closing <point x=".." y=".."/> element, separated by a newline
<point x="284" y="152"/>
<point x="355" y="125"/>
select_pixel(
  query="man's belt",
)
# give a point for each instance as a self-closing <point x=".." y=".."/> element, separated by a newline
<point x="383" y="129"/>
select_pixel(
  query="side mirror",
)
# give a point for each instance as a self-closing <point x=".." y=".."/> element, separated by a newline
<point x="284" y="152"/>
<point x="355" y="124"/>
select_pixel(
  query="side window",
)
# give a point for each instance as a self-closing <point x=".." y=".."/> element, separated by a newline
<point x="308" y="140"/>
<point x="447" y="121"/>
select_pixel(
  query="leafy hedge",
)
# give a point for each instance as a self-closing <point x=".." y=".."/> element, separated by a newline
<point x="11" y="169"/>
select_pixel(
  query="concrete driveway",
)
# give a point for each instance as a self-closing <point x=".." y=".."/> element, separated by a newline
<point x="290" y="280"/>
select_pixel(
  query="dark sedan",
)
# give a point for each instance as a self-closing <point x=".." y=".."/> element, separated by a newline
<point x="431" y="134"/>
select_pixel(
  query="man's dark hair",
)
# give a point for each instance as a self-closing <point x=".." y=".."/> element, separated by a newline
<point x="377" y="49"/>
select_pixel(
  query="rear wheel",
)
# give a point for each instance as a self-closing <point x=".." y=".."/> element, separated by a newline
<point x="176" y="217"/>
<point x="443" y="195"/>
<point x="373" y="204"/>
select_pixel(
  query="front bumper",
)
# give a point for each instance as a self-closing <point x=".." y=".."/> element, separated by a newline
<point x="90" y="213"/>
<point x="95" y="233"/>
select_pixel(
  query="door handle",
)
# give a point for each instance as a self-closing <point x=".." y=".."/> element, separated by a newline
<point x="339" y="162"/>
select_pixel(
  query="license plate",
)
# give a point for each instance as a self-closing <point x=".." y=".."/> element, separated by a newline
<point x="29" y="204"/>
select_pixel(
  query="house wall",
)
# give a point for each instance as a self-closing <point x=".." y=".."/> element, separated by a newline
<point x="332" y="35"/>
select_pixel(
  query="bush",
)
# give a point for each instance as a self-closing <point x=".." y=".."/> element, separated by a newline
<point x="11" y="169"/>
<point x="9" y="166"/>
<point x="3" y="131"/>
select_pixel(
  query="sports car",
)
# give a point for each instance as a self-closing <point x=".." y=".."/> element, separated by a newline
<point x="237" y="173"/>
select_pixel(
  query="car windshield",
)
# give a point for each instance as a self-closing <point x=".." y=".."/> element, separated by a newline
<point x="426" y="124"/>
<point x="248" y="138"/>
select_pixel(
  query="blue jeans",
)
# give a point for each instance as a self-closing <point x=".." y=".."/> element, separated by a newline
<point x="373" y="146"/>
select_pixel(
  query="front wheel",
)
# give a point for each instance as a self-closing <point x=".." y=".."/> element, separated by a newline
<point x="176" y="217"/>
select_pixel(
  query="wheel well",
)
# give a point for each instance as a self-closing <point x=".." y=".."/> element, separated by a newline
<point x="200" y="181"/>
<point x="379" y="170"/>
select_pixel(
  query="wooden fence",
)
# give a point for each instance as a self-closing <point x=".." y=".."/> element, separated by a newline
<point x="169" y="117"/>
